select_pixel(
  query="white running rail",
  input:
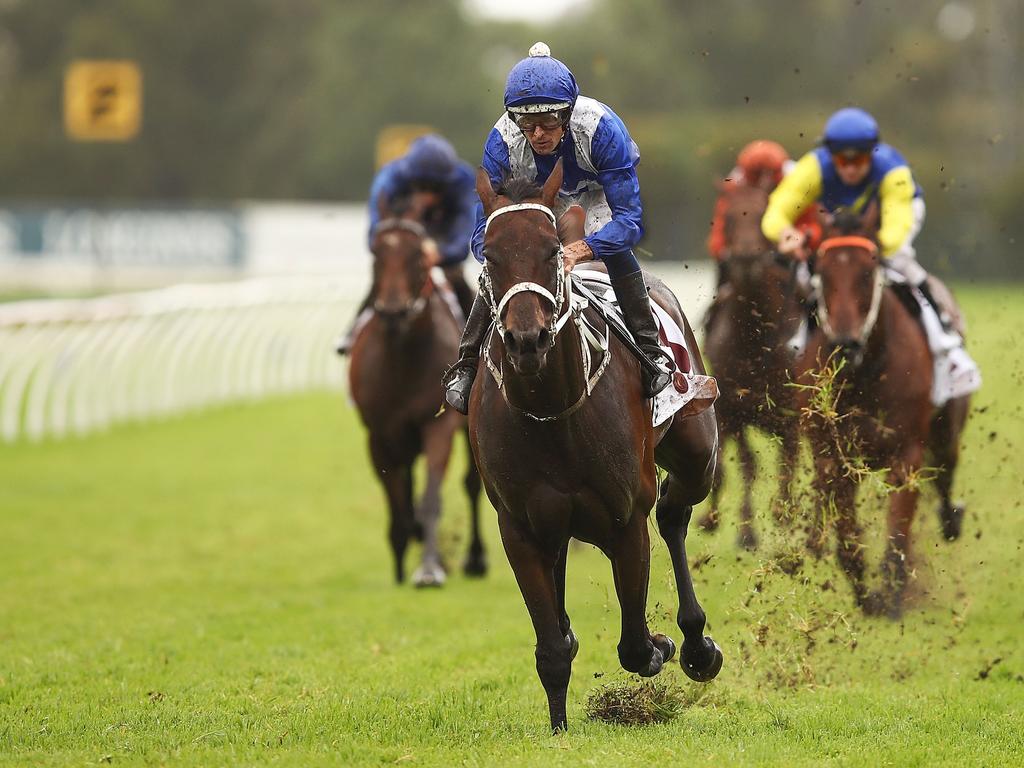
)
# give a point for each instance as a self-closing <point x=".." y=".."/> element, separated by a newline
<point x="70" y="367"/>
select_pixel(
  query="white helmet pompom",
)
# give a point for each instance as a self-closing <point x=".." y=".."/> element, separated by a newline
<point x="540" y="49"/>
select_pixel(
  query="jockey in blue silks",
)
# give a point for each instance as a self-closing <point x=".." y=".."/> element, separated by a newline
<point x="547" y="120"/>
<point x="429" y="166"/>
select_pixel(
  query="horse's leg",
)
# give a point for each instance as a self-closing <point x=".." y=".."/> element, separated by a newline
<point x="902" y="505"/>
<point x="748" y="462"/>
<point x="559" y="577"/>
<point x="782" y="507"/>
<point x="945" y="444"/>
<point x="397" y="482"/>
<point x="701" y="658"/>
<point x="631" y="563"/>
<point x="437" y="448"/>
<point x="709" y="520"/>
<point x="534" y="568"/>
<point x="841" y="506"/>
<point x="475" y="563"/>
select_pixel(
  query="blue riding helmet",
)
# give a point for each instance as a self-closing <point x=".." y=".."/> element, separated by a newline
<point x="540" y="83"/>
<point x="851" y="128"/>
<point x="429" y="158"/>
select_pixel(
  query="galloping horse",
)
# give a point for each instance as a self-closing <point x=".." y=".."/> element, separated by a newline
<point x="394" y="378"/>
<point x="747" y="346"/>
<point x="876" y="409"/>
<point x="562" y="460"/>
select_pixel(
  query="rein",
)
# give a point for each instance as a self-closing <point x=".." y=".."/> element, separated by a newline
<point x="877" y="288"/>
<point x="573" y="309"/>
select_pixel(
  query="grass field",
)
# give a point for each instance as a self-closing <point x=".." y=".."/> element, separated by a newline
<point x="216" y="590"/>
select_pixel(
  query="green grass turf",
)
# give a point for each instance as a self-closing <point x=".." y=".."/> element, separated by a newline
<point x="216" y="590"/>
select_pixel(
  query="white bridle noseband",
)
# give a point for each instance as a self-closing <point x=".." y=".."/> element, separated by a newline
<point x="563" y="287"/>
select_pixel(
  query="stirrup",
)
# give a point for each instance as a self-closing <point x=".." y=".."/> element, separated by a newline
<point x="458" y="383"/>
<point x="654" y="383"/>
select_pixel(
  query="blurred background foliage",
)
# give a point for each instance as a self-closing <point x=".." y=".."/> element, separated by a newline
<point x="265" y="99"/>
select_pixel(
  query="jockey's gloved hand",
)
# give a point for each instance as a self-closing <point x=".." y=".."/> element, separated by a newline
<point x="791" y="242"/>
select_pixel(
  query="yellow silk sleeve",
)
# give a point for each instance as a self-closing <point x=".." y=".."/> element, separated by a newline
<point x="800" y="188"/>
<point x="895" y="193"/>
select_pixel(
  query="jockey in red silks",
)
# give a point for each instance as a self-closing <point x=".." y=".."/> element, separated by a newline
<point x="547" y="120"/>
<point x="851" y="169"/>
<point x="763" y="164"/>
<point x="429" y="167"/>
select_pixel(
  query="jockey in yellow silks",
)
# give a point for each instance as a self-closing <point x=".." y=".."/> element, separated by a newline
<point x="851" y="169"/>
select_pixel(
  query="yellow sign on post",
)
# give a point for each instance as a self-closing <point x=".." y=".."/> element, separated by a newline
<point x="394" y="140"/>
<point x="102" y="100"/>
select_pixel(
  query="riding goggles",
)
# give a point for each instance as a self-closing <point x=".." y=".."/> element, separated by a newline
<point x="546" y="121"/>
<point x="851" y="158"/>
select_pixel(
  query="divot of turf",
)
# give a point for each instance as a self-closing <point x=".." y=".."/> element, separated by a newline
<point x="632" y="703"/>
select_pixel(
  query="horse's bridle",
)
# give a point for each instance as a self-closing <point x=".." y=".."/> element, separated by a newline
<point x="562" y="295"/>
<point x="385" y="225"/>
<point x="878" y="285"/>
<point x="563" y="286"/>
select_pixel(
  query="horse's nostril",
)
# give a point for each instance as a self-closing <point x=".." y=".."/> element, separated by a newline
<point x="543" y="340"/>
<point x="510" y="342"/>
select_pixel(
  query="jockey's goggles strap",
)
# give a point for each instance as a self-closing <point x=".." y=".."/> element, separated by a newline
<point x="848" y="241"/>
<point x="522" y="207"/>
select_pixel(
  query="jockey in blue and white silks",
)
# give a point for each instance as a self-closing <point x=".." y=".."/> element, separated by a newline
<point x="431" y="168"/>
<point x="546" y="120"/>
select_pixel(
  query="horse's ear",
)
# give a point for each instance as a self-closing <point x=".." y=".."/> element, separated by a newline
<point x="554" y="183"/>
<point x="488" y="197"/>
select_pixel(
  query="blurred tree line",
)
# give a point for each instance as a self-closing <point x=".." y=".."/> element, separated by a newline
<point x="270" y="99"/>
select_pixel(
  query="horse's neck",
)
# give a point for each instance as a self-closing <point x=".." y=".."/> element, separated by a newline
<point x="558" y="386"/>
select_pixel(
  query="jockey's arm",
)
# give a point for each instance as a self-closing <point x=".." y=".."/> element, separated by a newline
<point x="895" y="195"/>
<point x="716" y="237"/>
<point x="462" y="223"/>
<point x="615" y="156"/>
<point x="383" y="188"/>
<point x="496" y="163"/>
<point x="798" y="190"/>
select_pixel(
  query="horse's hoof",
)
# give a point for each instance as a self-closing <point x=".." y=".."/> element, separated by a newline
<point x="712" y="662"/>
<point x="874" y="604"/>
<point x="574" y="644"/>
<point x="429" y="576"/>
<point x="952" y="521"/>
<point x="666" y="645"/>
<point x="654" y="666"/>
<point x="747" y="539"/>
<point x="475" y="566"/>
<point x="709" y="521"/>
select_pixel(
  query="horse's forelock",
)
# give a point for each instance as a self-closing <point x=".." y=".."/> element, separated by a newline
<point x="518" y="189"/>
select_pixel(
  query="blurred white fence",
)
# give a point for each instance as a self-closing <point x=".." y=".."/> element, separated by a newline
<point x="75" y="366"/>
<point x="70" y="367"/>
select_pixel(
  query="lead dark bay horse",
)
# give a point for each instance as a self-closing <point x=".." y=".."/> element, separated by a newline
<point x="747" y="346"/>
<point x="394" y="377"/>
<point x="558" y="462"/>
<point x="866" y="379"/>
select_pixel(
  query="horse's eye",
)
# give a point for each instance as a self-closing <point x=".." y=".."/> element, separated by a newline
<point x="554" y="252"/>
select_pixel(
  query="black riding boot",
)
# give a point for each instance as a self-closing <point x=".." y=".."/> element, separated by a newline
<point x="344" y="345"/>
<point x="944" y="318"/>
<point x="458" y="380"/>
<point x="631" y="291"/>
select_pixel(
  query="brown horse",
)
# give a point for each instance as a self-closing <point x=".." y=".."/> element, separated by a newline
<point x="867" y="377"/>
<point x="750" y="327"/>
<point x="394" y="376"/>
<point x="562" y="460"/>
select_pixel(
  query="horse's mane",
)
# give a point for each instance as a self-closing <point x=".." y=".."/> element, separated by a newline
<point x="847" y="222"/>
<point x="518" y="189"/>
